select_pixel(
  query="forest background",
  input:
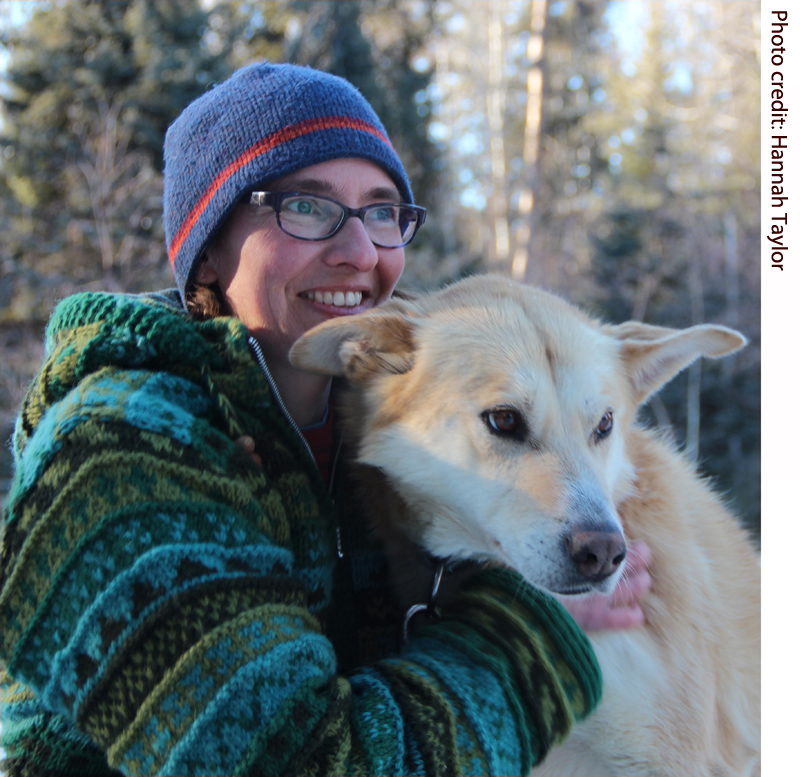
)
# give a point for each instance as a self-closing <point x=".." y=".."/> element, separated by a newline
<point x="607" y="150"/>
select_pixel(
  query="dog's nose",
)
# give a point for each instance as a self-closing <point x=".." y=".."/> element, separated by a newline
<point x="596" y="554"/>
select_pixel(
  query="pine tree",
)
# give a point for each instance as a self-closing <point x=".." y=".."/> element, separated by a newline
<point x="92" y="88"/>
<point x="681" y="218"/>
<point x="567" y="193"/>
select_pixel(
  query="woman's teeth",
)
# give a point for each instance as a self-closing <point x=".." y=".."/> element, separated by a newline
<point x="339" y="298"/>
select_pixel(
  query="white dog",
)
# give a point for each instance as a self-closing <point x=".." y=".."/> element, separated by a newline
<point x="503" y="420"/>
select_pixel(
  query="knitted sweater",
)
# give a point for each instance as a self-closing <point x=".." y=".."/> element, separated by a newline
<point x="169" y="607"/>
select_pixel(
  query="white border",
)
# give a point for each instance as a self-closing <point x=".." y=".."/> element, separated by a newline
<point x="780" y="430"/>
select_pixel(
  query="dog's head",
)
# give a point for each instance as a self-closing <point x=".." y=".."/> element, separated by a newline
<point x="499" y="413"/>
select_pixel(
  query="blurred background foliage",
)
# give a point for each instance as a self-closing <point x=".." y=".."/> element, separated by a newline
<point x="606" y="150"/>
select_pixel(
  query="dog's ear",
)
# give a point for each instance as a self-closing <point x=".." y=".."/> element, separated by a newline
<point x="654" y="354"/>
<point x="357" y="347"/>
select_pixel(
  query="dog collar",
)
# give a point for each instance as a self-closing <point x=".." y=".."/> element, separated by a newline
<point x="438" y="566"/>
<point x="432" y="611"/>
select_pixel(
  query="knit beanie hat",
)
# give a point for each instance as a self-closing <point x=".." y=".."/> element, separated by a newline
<point x="265" y="122"/>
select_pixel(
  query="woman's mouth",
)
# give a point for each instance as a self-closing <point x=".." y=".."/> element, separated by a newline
<point x="339" y="299"/>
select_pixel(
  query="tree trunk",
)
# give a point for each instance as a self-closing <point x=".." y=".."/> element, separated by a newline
<point x="695" y="370"/>
<point x="495" y="108"/>
<point x="521" y="268"/>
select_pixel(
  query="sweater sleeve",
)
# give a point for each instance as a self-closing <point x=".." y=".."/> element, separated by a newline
<point x="154" y="623"/>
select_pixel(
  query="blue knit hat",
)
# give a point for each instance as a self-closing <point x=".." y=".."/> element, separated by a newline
<point x="265" y="122"/>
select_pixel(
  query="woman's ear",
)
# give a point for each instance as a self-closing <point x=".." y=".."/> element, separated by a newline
<point x="206" y="273"/>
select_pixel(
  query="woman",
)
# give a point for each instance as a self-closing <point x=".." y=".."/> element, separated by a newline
<point x="188" y="586"/>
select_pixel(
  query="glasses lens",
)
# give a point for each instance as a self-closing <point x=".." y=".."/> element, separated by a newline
<point x="310" y="217"/>
<point x="391" y="226"/>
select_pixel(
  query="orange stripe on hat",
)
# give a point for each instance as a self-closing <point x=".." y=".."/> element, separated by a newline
<point x="262" y="147"/>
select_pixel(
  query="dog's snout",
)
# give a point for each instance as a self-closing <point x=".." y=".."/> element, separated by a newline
<point x="596" y="554"/>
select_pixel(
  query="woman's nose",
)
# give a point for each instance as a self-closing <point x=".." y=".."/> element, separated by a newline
<point x="352" y="245"/>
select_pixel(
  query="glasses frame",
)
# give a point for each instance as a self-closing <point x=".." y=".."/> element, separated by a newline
<point x="275" y="200"/>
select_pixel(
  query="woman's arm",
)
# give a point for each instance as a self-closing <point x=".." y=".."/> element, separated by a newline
<point x="151" y="600"/>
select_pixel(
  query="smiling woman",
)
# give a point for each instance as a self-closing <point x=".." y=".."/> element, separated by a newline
<point x="189" y="584"/>
<point x="280" y="285"/>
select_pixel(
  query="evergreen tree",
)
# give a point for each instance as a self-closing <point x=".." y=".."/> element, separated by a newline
<point x="681" y="219"/>
<point x="91" y="89"/>
<point x="566" y="181"/>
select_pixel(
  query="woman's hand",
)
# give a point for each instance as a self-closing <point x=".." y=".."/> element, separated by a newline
<point x="620" y="609"/>
<point x="248" y="444"/>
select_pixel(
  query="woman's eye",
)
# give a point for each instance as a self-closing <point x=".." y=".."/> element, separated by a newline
<point x="505" y="421"/>
<point x="605" y="426"/>
<point x="386" y="214"/>
<point x="303" y="207"/>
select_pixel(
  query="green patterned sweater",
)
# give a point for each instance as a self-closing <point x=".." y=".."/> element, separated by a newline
<point x="169" y="607"/>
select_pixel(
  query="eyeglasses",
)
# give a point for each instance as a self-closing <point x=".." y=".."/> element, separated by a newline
<point x="312" y="217"/>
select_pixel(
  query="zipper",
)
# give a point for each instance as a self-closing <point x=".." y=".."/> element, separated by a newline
<point x="339" y="546"/>
<point x="262" y="362"/>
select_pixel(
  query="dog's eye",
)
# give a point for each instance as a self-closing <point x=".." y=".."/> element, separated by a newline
<point x="605" y="426"/>
<point x="504" y="421"/>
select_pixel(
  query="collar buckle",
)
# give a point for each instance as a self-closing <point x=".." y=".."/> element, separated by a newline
<point x="431" y="610"/>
